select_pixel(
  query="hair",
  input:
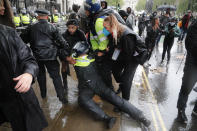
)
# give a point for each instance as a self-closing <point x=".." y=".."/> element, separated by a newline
<point x="117" y="28"/>
<point x="7" y="18"/>
<point x="155" y="26"/>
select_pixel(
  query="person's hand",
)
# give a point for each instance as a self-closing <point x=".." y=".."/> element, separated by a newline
<point x="71" y="60"/>
<point x="100" y="54"/>
<point x="23" y="82"/>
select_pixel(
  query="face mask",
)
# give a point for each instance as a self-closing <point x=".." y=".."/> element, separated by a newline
<point x="105" y="32"/>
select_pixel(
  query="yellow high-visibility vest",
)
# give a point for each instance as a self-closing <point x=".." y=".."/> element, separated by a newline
<point x="17" y="21"/>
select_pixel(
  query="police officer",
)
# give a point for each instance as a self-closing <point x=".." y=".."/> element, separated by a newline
<point x="99" y="41"/>
<point x="190" y="73"/>
<point x="56" y="18"/>
<point x="25" y="19"/>
<point x="44" y="39"/>
<point x="90" y="83"/>
<point x="17" y="20"/>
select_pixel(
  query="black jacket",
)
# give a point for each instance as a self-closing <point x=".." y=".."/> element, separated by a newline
<point x="21" y="61"/>
<point x="151" y="37"/>
<point x="73" y="39"/>
<point x="191" y="43"/>
<point x="127" y="46"/>
<point x="44" y="39"/>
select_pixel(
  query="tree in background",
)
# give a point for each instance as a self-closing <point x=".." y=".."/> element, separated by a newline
<point x="182" y="5"/>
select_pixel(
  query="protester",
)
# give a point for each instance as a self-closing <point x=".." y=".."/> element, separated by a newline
<point x="18" y="103"/>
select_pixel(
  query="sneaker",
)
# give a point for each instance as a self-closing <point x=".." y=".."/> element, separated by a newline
<point x="182" y="117"/>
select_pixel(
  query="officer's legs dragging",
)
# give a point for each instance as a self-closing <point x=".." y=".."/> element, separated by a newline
<point x="53" y="68"/>
<point x="42" y="78"/>
<point x="188" y="81"/>
<point x="121" y="103"/>
<point x="86" y="102"/>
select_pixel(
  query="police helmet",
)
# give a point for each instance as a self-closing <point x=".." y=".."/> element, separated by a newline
<point x="81" y="47"/>
<point x="91" y="7"/>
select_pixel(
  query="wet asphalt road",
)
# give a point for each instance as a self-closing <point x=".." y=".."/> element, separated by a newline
<point x="155" y="91"/>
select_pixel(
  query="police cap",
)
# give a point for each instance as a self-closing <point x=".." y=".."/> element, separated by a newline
<point x="42" y="12"/>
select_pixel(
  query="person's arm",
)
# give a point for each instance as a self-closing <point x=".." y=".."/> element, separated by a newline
<point x="26" y="62"/>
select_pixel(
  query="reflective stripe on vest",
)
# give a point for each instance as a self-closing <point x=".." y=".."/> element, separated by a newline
<point x="83" y="61"/>
<point x="25" y="19"/>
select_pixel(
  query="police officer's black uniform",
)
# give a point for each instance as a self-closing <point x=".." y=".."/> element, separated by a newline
<point x="42" y="36"/>
<point x="90" y="83"/>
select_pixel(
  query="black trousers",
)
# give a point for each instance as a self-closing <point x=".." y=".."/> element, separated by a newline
<point x="13" y="112"/>
<point x="85" y="100"/>
<point x="124" y="74"/>
<point x="65" y="71"/>
<point x="104" y="69"/>
<point x="53" y="68"/>
<point x="167" y="46"/>
<point x="188" y="81"/>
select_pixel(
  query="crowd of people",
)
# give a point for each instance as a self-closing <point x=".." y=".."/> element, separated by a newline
<point x="99" y="42"/>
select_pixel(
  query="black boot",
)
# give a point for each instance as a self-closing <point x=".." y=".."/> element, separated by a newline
<point x="182" y="116"/>
<point x="145" y="121"/>
<point x="109" y="121"/>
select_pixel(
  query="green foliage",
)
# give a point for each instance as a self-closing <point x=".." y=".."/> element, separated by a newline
<point x="141" y="5"/>
<point x="182" y="5"/>
<point x="113" y="2"/>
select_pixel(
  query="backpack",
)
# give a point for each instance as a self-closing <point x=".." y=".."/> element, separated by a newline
<point x="141" y="52"/>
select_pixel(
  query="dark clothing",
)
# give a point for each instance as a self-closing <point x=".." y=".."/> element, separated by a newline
<point x="124" y="68"/>
<point x="90" y="83"/>
<point x="190" y="42"/>
<point x="19" y="61"/>
<point x="44" y="39"/>
<point x="124" y="74"/>
<point x="190" y="70"/>
<point x="188" y="81"/>
<point x="73" y="39"/>
<point x="151" y="38"/>
<point x="53" y="67"/>
<point x="167" y="46"/>
<point x="141" y="25"/>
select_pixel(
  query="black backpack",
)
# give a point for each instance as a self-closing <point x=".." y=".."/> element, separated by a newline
<point x="141" y="49"/>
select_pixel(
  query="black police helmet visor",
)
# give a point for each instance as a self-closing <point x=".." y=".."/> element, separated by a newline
<point x="81" y="47"/>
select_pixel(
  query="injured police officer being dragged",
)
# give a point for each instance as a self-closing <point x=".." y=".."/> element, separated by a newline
<point x="90" y="83"/>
